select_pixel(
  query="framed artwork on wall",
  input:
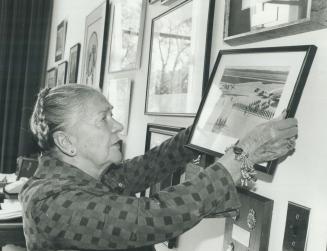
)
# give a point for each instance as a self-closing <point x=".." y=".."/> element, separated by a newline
<point x="95" y="45"/>
<point x="248" y="87"/>
<point x="250" y="229"/>
<point x="179" y="59"/>
<point x="126" y="34"/>
<point x="62" y="72"/>
<point x="250" y="21"/>
<point x="155" y="135"/>
<point x="74" y="63"/>
<point x="119" y="95"/>
<point x="51" y="77"/>
<point x="61" y="40"/>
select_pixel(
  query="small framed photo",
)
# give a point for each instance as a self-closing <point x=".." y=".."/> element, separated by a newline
<point x="248" y="87"/>
<point x="62" y="72"/>
<point x="155" y="135"/>
<point x="61" y="40"/>
<point x="95" y="45"/>
<point x="179" y="59"/>
<point x="249" y="21"/>
<point x="119" y="95"/>
<point x="74" y="63"/>
<point x="51" y="77"/>
<point x="126" y="34"/>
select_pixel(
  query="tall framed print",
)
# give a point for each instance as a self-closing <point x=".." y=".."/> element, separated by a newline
<point x="249" y="87"/>
<point x="119" y="96"/>
<point x="74" y="63"/>
<point x="250" y="21"/>
<point x="179" y="59"/>
<point x="51" y="77"/>
<point x="61" y="73"/>
<point x="155" y="135"/>
<point x="95" y="45"/>
<point x="126" y="34"/>
<point x="61" y="40"/>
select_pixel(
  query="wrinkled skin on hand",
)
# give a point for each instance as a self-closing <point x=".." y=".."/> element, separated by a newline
<point x="271" y="140"/>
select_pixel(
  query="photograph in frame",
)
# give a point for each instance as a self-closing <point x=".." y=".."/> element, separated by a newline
<point x="61" y="40"/>
<point x="155" y="135"/>
<point x="178" y="62"/>
<point x="249" y="87"/>
<point x="51" y="77"/>
<point x="95" y="45"/>
<point x="62" y="73"/>
<point x="251" y="21"/>
<point x="119" y="94"/>
<point x="126" y="34"/>
<point x="74" y="63"/>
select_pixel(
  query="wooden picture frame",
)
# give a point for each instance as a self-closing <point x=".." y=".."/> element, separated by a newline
<point x="62" y="73"/>
<point x="74" y="56"/>
<point x="248" y="87"/>
<point x="155" y="135"/>
<point x="126" y="35"/>
<point x="95" y="46"/>
<point x="251" y="21"/>
<point x="61" y="40"/>
<point x="51" y="77"/>
<point x="250" y="229"/>
<point x="179" y="59"/>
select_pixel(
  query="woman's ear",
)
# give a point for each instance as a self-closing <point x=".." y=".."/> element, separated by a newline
<point x="64" y="143"/>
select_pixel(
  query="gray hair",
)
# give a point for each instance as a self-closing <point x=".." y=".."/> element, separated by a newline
<point x="54" y="110"/>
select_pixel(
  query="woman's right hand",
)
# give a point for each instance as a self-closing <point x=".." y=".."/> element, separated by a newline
<point x="270" y="140"/>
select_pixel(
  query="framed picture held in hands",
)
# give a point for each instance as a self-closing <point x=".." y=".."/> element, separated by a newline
<point x="249" y="87"/>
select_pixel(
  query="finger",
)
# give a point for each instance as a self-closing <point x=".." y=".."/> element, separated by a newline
<point x="285" y="123"/>
<point x="286" y="133"/>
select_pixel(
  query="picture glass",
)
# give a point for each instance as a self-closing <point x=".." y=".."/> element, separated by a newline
<point x="61" y="40"/>
<point x="51" y="78"/>
<point x="73" y="63"/>
<point x="177" y="59"/>
<point x="253" y="15"/>
<point x="119" y="96"/>
<point x="126" y="35"/>
<point x="246" y="89"/>
<point x="61" y="77"/>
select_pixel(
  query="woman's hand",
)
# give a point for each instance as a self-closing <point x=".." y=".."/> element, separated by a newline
<point x="271" y="140"/>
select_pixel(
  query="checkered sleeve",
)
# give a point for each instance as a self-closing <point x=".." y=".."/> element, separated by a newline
<point x="88" y="220"/>
<point x="140" y="172"/>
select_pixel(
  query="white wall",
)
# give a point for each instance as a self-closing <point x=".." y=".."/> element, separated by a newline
<point x="300" y="179"/>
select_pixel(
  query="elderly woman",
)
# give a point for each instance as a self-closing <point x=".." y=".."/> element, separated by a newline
<point x="82" y="195"/>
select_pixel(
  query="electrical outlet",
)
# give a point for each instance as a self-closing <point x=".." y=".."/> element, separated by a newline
<point x="296" y="227"/>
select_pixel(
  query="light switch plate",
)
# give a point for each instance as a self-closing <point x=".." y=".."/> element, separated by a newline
<point x="296" y="227"/>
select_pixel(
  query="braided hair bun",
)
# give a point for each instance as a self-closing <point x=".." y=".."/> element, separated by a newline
<point x="38" y="123"/>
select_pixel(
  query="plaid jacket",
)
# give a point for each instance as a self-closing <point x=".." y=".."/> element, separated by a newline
<point x="66" y="209"/>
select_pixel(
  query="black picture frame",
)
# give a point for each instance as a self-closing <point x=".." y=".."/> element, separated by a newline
<point x="247" y="21"/>
<point x="51" y="77"/>
<point x="61" y="40"/>
<point x="178" y="94"/>
<point x="166" y="132"/>
<point x="248" y="87"/>
<point x="95" y="46"/>
<point x="62" y="73"/>
<point x="74" y="56"/>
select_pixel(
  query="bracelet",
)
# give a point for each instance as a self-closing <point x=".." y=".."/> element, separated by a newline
<point x="248" y="174"/>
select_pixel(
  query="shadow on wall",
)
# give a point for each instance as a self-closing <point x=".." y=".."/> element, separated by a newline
<point x="207" y="235"/>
